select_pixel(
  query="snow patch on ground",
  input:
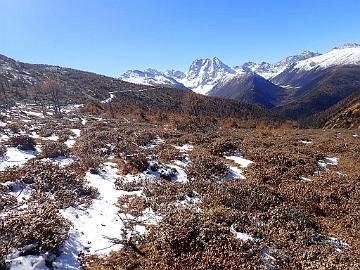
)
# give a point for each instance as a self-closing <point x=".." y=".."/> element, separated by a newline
<point x="110" y="98"/>
<point x="29" y="262"/>
<point x="16" y="157"/>
<point x="76" y="131"/>
<point x="96" y="227"/>
<point x="3" y="137"/>
<point x="268" y="260"/>
<point x="61" y="160"/>
<point x="303" y="178"/>
<point x="238" y="158"/>
<point x="153" y="144"/>
<point x="36" y="114"/>
<point x="337" y="244"/>
<point x="184" y="148"/>
<point x="234" y="173"/>
<point x="70" y="143"/>
<point x="328" y="161"/>
<point x="53" y="137"/>
<point x="175" y="172"/>
<point x="72" y="140"/>
<point x="190" y="198"/>
<point x="241" y="235"/>
<point x="306" y="141"/>
<point x="19" y="190"/>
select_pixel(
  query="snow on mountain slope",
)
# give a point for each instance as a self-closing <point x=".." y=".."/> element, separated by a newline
<point x="201" y="77"/>
<point x="175" y="74"/>
<point x="306" y="71"/>
<point x="203" y="74"/>
<point x="152" y="77"/>
<point x="348" y="54"/>
<point x="269" y="71"/>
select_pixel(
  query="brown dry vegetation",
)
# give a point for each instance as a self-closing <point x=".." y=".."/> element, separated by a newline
<point x="2" y="150"/>
<point x="39" y="228"/>
<point x="54" y="149"/>
<point x="23" y="142"/>
<point x="291" y="218"/>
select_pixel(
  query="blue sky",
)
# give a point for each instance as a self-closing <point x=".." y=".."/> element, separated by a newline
<point x="111" y="36"/>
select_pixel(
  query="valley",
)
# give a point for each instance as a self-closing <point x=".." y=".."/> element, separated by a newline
<point x="101" y="173"/>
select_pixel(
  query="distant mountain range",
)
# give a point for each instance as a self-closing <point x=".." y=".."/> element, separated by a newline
<point x="297" y="86"/>
<point x="204" y="74"/>
<point x="300" y="87"/>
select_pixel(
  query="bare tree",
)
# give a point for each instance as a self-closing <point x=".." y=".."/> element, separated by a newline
<point x="52" y="92"/>
<point x="38" y="96"/>
<point x="4" y="87"/>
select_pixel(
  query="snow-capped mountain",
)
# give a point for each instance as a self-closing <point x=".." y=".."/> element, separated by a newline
<point x="175" y="74"/>
<point x="349" y="54"/>
<point x="304" y="71"/>
<point x="269" y="71"/>
<point x="293" y="71"/>
<point x="204" y="74"/>
<point x="153" y="77"/>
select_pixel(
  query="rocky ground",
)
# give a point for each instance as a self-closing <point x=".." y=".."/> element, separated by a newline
<point x="93" y="193"/>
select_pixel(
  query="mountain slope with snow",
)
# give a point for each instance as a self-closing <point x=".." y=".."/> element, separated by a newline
<point x="348" y="54"/>
<point x="263" y="83"/>
<point x="204" y="74"/>
<point x="153" y="77"/>
<point x="305" y="71"/>
<point x="269" y="71"/>
<point x="335" y="85"/>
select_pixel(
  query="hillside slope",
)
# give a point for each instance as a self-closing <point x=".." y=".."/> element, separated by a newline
<point x="303" y="72"/>
<point x="250" y="88"/>
<point x="23" y="82"/>
<point x="162" y="102"/>
<point x="344" y="114"/>
<point x="335" y="84"/>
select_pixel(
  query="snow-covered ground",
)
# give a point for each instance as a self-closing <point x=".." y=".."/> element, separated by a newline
<point x="109" y="99"/>
<point x="29" y="262"/>
<point x="95" y="226"/>
<point x="238" y="158"/>
<point x="72" y="140"/>
<point x="16" y="157"/>
<point x="306" y="141"/>
<point x="328" y="161"/>
<point x="242" y="235"/>
<point x="234" y="173"/>
<point x="97" y="229"/>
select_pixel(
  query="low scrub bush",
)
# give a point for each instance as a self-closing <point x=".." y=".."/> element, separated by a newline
<point x="2" y="150"/>
<point x="65" y="186"/>
<point x="38" y="229"/>
<point x="133" y="164"/>
<point x="22" y="142"/>
<point x="207" y="168"/>
<point x="54" y="149"/>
